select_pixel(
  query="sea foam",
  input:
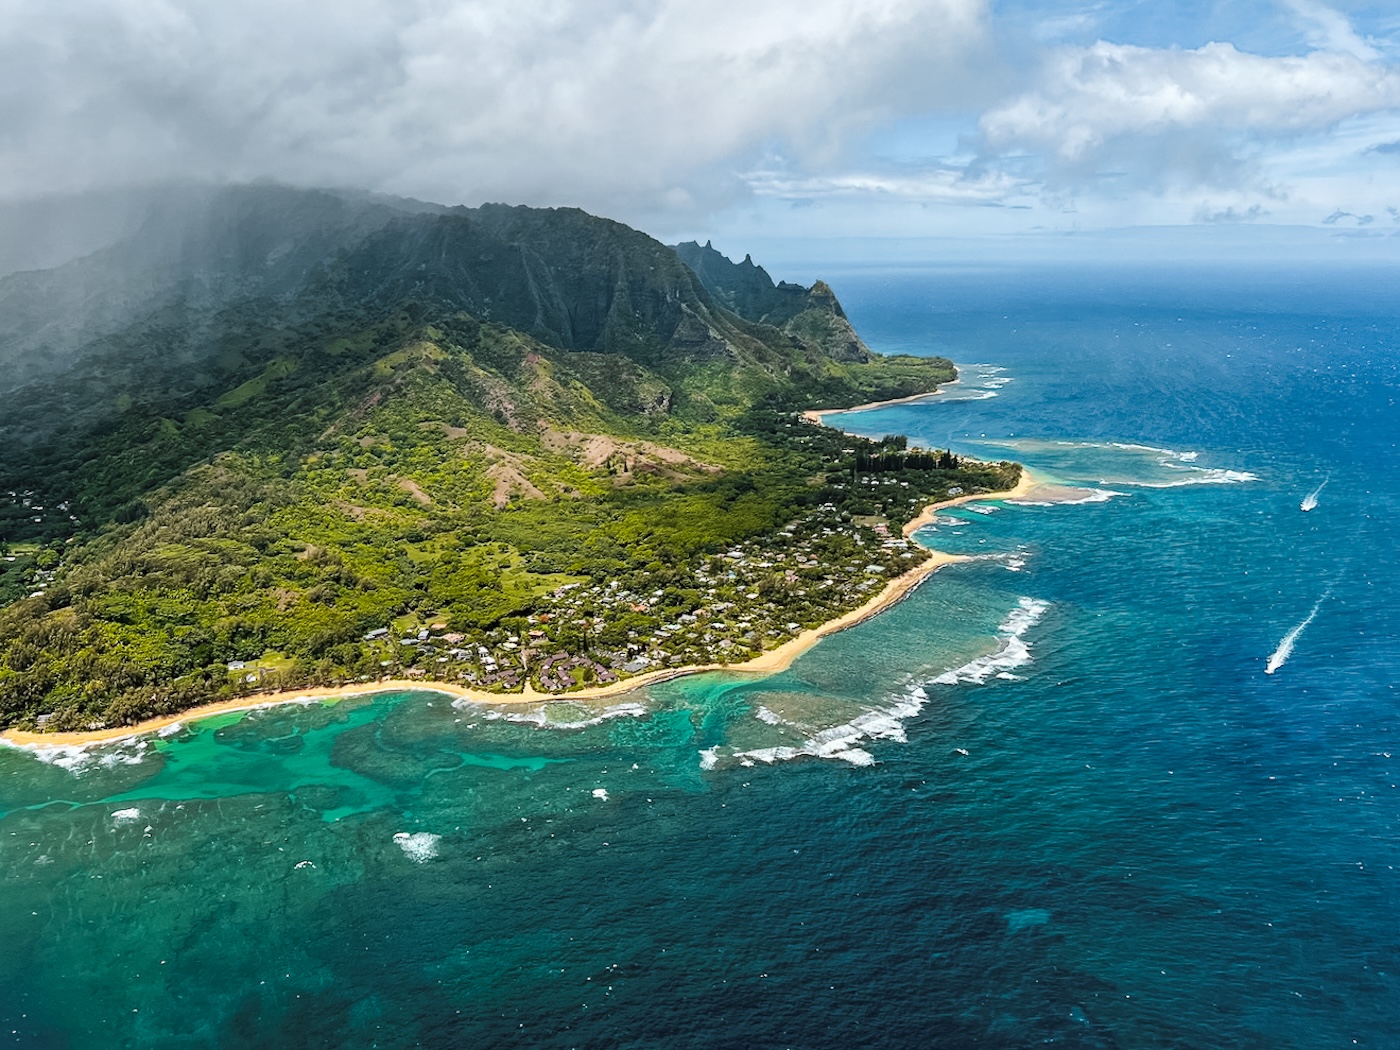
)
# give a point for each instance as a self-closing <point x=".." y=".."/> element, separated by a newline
<point x="418" y="846"/>
<point x="1013" y="652"/>
<point x="839" y="741"/>
<point x="887" y="722"/>
<point x="541" y="716"/>
<point x="76" y="758"/>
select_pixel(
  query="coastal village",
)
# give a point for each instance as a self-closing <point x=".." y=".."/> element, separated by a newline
<point x="748" y="599"/>
<point x="736" y="604"/>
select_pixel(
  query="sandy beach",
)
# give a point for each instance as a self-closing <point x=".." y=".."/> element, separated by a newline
<point x="814" y="415"/>
<point x="926" y="516"/>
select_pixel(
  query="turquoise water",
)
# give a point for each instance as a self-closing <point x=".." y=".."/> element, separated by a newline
<point x="1053" y="797"/>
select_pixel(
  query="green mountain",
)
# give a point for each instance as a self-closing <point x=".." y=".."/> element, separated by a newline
<point x="275" y="436"/>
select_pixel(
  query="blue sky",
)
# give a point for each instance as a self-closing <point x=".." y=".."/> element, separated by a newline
<point x="1123" y="114"/>
<point x="813" y="119"/>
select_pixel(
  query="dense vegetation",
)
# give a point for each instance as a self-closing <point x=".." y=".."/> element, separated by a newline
<point x="421" y="492"/>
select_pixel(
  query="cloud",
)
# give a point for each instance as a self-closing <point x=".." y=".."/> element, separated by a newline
<point x="1338" y="215"/>
<point x="935" y="185"/>
<point x="1170" y="112"/>
<point x="625" y="105"/>
<point x="1230" y="215"/>
<point x="1328" y="29"/>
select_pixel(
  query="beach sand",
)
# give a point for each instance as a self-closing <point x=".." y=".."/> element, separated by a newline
<point x="926" y="516"/>
<point x="815" y="415"/>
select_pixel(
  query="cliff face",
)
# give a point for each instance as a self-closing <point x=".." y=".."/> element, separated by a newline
<point x="567" y="278"/>
<point x="811" y="316"/>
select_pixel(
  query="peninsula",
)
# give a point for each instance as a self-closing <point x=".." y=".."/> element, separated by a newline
<point x="516" y="454"/>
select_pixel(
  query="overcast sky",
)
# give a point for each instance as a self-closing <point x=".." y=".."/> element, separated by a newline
<point x="774" y="118"/>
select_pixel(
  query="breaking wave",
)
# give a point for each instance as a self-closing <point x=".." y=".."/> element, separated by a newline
<point x="1013" y="651"/>
<point x="548" y="714"/>
<point x="842" y="742"/>
<point x="1064" y="496"/>
<point x="1202" y="476"/>
<point x="76" y="758"/>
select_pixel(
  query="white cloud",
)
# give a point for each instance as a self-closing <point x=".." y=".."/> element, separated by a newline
<point x="941" y="185"/>
<point x="626" y="105"/>
<point x="1328" y="29"/>
<point x="1088" y="98"/>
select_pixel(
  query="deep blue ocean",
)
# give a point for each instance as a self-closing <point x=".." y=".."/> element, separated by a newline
<point x="1127" y="779"/>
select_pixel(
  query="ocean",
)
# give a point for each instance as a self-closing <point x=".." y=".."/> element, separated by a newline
<point x="1128" y="778"/>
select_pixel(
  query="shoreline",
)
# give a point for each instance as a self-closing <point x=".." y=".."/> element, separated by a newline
<point x="775" y="660"/>
<point x="1023" y="487"/>
<point x="814" y="415"/>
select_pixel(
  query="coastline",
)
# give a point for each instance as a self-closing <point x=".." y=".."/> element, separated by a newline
<point x="775" y="660"/>
<point x="1027" y="482"/>
<point x="779" y="658"/>
<point x="814" y="415"/>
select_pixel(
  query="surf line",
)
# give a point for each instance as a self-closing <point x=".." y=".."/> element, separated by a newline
<point x="1285" y="647"/>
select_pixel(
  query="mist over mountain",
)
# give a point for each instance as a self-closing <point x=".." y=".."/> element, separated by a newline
<point x="214" y="282"/>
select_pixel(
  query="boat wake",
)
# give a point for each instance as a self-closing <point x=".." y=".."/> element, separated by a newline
<point x="1310" y="500"/>
<point x="1285" y="646"/>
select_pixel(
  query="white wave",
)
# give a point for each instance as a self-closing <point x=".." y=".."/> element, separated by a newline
<point x="972" y="395"/>
<point x="419" y="846"/>
<point x="601" y="794"/>
<point x="763" y="714"/>
<point x="887" y="722"/>
<point x="1201" y="476"/>
<point x="1168" y="459"/>
<point x="126" y="816"/>
<point x="1285" y="646"/>
<point x="1065" y="499"/>
<point x="1013" y="652"/>
<point x="1094" y="496"/>
<point x="75" y="758"/>
<point x="1129" y="447"/>
<point x="839" y="742"/>
<point x="839" y="746"/>
<point x="541" y="717"/>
